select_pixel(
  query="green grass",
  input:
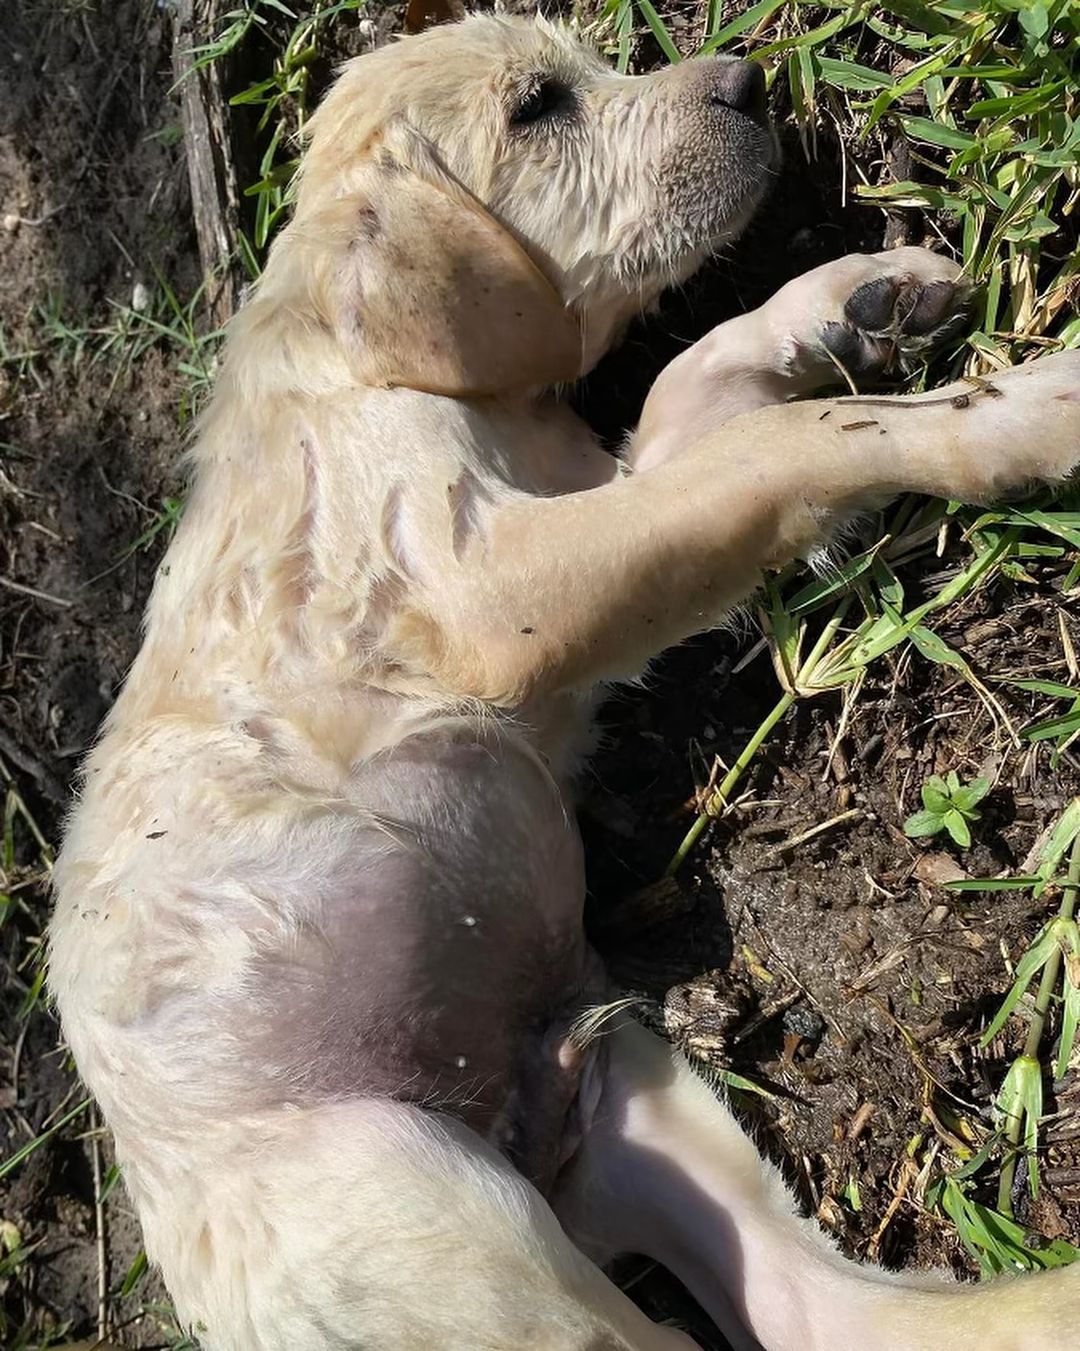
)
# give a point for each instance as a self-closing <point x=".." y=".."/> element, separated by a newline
<point x="283" y="97"/>
<point x="119" y="342"/>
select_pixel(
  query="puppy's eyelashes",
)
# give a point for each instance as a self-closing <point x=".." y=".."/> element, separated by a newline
<point x="543" y="100"/>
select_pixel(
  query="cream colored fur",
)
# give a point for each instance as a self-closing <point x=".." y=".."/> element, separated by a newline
<point x="336" y="780"/>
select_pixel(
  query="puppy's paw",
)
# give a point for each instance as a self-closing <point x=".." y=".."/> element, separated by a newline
<point x="871" y="314"/>
<point x="890" y="323"/>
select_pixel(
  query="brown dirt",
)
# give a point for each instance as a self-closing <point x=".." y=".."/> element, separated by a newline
<point x="833" y="973"/>
<point x="91" y="167"/>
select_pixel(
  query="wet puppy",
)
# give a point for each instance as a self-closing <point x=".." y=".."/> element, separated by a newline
<point x="318" y="939"/>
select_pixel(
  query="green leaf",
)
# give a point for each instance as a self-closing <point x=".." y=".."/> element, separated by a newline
<point x="248" y="256"/>
<point x="807" y="39"/>
<point x="1020" y="1101"/>
<point x="109" y="1181"/>
<point x="909" y="193"/>
<point x="1034" y="19"/>
<point x="1029" y="965"/>
<point x="134" y="1275"/>
<point x="816" y="593"/>
<point x="33" y="994"/>
<point x="755" y="15"/>
<point x="1052" y="728"/>
<point x="1070" y="1014"/>
<point x="739" y="1081"/>
<point x="1061" y="837"/>
<point x="992" y="884"/>
<point x="1058" y="523"/>
<point x="957" y="827"/>
<point x="914" y="77"/>
<point x="255" y="93"/>
<point x="934" y="799"/>
<point x="938" y="133"/>
<point x="13" y="1160"/>
<point x="964" y="799"/>
<point x="997" y="1243"/>
<point x="1017" y="105"/>
<point x="659" y="31"/>
<point x="850" y="75"/>
<point x="935" y="649"/>
<point x="920" y="16"/>
<point x="1050" y="687"/>
<point x="1037" y="226"/>
<point x="277" y="177"/>
<point x="920" y="824"/>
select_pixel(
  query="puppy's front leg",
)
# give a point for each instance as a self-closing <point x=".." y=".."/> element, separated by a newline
<point x="861" y="315"/>
<point x="551" y="594"/>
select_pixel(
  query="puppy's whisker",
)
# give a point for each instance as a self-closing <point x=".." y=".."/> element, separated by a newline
<point x="595" y="1022"/>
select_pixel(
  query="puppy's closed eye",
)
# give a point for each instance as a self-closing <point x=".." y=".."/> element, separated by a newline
<point x="544" y="99"/>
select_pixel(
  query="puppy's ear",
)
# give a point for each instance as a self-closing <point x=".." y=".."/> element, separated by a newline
<point x="435" y="294"/>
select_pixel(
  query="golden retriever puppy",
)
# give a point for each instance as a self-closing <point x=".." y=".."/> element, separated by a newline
<point x="318" y="942"/>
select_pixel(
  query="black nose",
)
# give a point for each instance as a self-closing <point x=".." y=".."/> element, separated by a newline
<point x="739" y="85"/>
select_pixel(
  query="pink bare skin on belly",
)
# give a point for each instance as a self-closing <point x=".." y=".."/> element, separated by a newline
<point x="449" y="958"/>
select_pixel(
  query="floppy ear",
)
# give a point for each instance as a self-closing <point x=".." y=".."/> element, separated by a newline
<point x="436" y="295"/>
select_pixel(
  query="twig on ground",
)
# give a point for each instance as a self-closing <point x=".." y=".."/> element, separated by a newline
<point x="35" y="594"/>
<point x="215" y="200"/>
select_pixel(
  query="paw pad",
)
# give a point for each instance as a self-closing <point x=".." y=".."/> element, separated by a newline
<point x="890" y="321"/>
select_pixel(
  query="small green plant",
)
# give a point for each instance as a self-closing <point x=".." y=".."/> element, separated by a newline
<point x="162" y="321"/>
<point x="846" y="649"/>
<point x="947" y="805"/>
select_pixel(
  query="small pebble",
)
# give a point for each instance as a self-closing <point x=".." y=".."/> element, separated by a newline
<point x="140" y="297"/>
<point x="803" y="1022"/>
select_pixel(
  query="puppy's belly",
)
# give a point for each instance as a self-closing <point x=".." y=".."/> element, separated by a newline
<point x="231" y="940"/>
<point x="446" y="956"/>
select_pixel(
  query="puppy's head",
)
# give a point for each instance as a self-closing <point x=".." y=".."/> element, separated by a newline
<point x="498" y="202"/>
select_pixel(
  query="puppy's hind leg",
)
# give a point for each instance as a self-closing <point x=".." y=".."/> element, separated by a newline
<point x="370" y="1224"/>
<point x="664" y="1170"/>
